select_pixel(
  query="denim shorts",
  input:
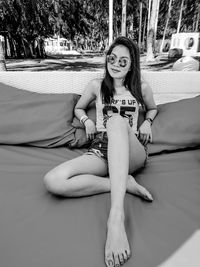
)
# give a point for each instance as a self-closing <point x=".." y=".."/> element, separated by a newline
<point x="99" y="147"/>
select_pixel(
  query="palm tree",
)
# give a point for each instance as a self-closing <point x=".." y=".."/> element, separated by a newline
<point x="156" y="20"/>
<point x="110" y="22"/>
<point x="180" y="16"/>
<point x="140" y="27"/>
<point x="149" y="14"/>
<point x="2" y="56"/>
<point x="166" y="25"/>
<point x="197" y="18"/>
<point x="123" y="31"/>
<point x="151" y="37"/>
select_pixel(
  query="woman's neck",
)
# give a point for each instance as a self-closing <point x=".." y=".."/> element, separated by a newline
<point x="119" y="86"/>
<point x="118" y="83"/>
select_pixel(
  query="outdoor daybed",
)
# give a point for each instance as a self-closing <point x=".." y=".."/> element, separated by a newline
<point x="39" y="131"/>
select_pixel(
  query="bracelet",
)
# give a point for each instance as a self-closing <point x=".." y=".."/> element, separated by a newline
<point x="149" y="120"/>
<point x="83" y="119"/>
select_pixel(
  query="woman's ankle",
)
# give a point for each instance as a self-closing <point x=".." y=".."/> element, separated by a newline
<point x="116" y="215"/>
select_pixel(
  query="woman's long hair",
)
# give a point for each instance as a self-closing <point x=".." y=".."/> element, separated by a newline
<point x="133" y="78"/>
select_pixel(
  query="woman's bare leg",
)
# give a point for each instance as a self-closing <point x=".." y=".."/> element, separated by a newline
<point x="80" y="176"/>
<point x="83" y="176"/>
<point x="125" y="154"/>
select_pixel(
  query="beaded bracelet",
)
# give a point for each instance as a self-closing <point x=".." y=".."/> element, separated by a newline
<point x="83" y="119"/>
<point x="149" y="120"/>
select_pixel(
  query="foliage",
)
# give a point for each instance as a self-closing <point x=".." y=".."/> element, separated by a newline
<point x="27" y="21"/>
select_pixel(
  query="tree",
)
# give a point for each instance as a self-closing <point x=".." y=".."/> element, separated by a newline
<point x="149" y="14"/>
<point x="166" y="25"/>
<point x="2" y="56"/>
<point x="151" y="37"/>
<point x="29" y="22"/>
<point x="157" y="14"/>
<point x="123" y="30"/>
<point x="180" y="16"/>
<point x="197" y="18"/>
<point x="140" y="27"/>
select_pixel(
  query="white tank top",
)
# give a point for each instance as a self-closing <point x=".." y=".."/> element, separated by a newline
<point x="124" y="104"/>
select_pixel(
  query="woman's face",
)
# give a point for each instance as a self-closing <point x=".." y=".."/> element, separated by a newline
<point x="119" y="62"/>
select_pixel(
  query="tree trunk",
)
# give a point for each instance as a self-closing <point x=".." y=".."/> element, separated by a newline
<point x="140" y="27"/>
<point x="197" y="19"/>
<point x="31" y="50"/>
<point x="166" y="25"/>
<point x="110" y="21"/>
<point x="144" y="31"/>
<point x="151" y="33"/>
<point x="123" y="29"/>
<point x="14" y="48"/>
<point x="180" y="17"/>
<point x="131" y="26"/>
<point x="150" y="45"/>
<point x="149" y="15"/>
<point x="24" y="48"/>
<point x="2" y="57"/>
<point x="193" y="24"/>
<point x="156" y="20"/>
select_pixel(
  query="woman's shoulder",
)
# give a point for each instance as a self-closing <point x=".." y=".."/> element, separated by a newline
<point x="95" y="86"/>
<point x="145" y="87"/>
<point x="96" y="82"/>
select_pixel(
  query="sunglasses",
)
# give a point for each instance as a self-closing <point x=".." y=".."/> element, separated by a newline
<point x="123" y="62"/>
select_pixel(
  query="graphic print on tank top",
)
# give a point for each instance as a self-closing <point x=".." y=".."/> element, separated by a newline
<point x="124" y="105"/>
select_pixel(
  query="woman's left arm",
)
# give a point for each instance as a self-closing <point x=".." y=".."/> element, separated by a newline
<point x="145" y="132"/>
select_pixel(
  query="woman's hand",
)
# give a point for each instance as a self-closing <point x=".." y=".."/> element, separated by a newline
<point x="90" y="129"/>
<point x="145" y="133"/>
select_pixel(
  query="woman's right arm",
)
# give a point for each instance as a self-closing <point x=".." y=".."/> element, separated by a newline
<point x="87" y="97"/>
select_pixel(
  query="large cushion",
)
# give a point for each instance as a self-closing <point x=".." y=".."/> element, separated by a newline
<point x="80" y="139"/>
<point x="42" y="120"/>
<point x="186" y="64"/>
<point x="176" y="126"/>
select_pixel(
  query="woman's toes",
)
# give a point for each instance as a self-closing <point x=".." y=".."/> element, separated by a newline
<point x="109" y="260"/>
<point x="121" y="259"/>
<point x="116" y="258"/>
<point x="127" y="254"/>
<point x="138" y="189"/>
<point x="144" y="193"/>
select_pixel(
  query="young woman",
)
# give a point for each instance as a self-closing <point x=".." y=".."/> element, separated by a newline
<point x="117" y="149"/>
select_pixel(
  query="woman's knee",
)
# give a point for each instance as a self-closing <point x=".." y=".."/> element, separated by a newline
<point x="55" y="183"/>
<point x="117" y="122"/>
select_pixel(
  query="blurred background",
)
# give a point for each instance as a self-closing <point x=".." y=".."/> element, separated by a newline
<point x="75" y="34"/>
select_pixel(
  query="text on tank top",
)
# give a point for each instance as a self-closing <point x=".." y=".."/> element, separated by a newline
<point x="124" y="104"/>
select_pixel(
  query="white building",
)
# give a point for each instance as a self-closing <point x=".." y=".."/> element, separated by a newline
<point x="188" y="41"/>
<point x="59" y="46"/>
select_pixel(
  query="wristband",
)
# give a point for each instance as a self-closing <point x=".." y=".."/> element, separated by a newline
<point x="83" y="119"/>
<point x="149" y="120"/>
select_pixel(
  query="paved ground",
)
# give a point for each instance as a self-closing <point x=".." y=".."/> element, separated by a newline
<point x="79" y="63"/>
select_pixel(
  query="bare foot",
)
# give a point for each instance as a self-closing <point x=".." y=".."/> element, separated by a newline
<point x="136" y="189"/>
<point x="117" y="250"/>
